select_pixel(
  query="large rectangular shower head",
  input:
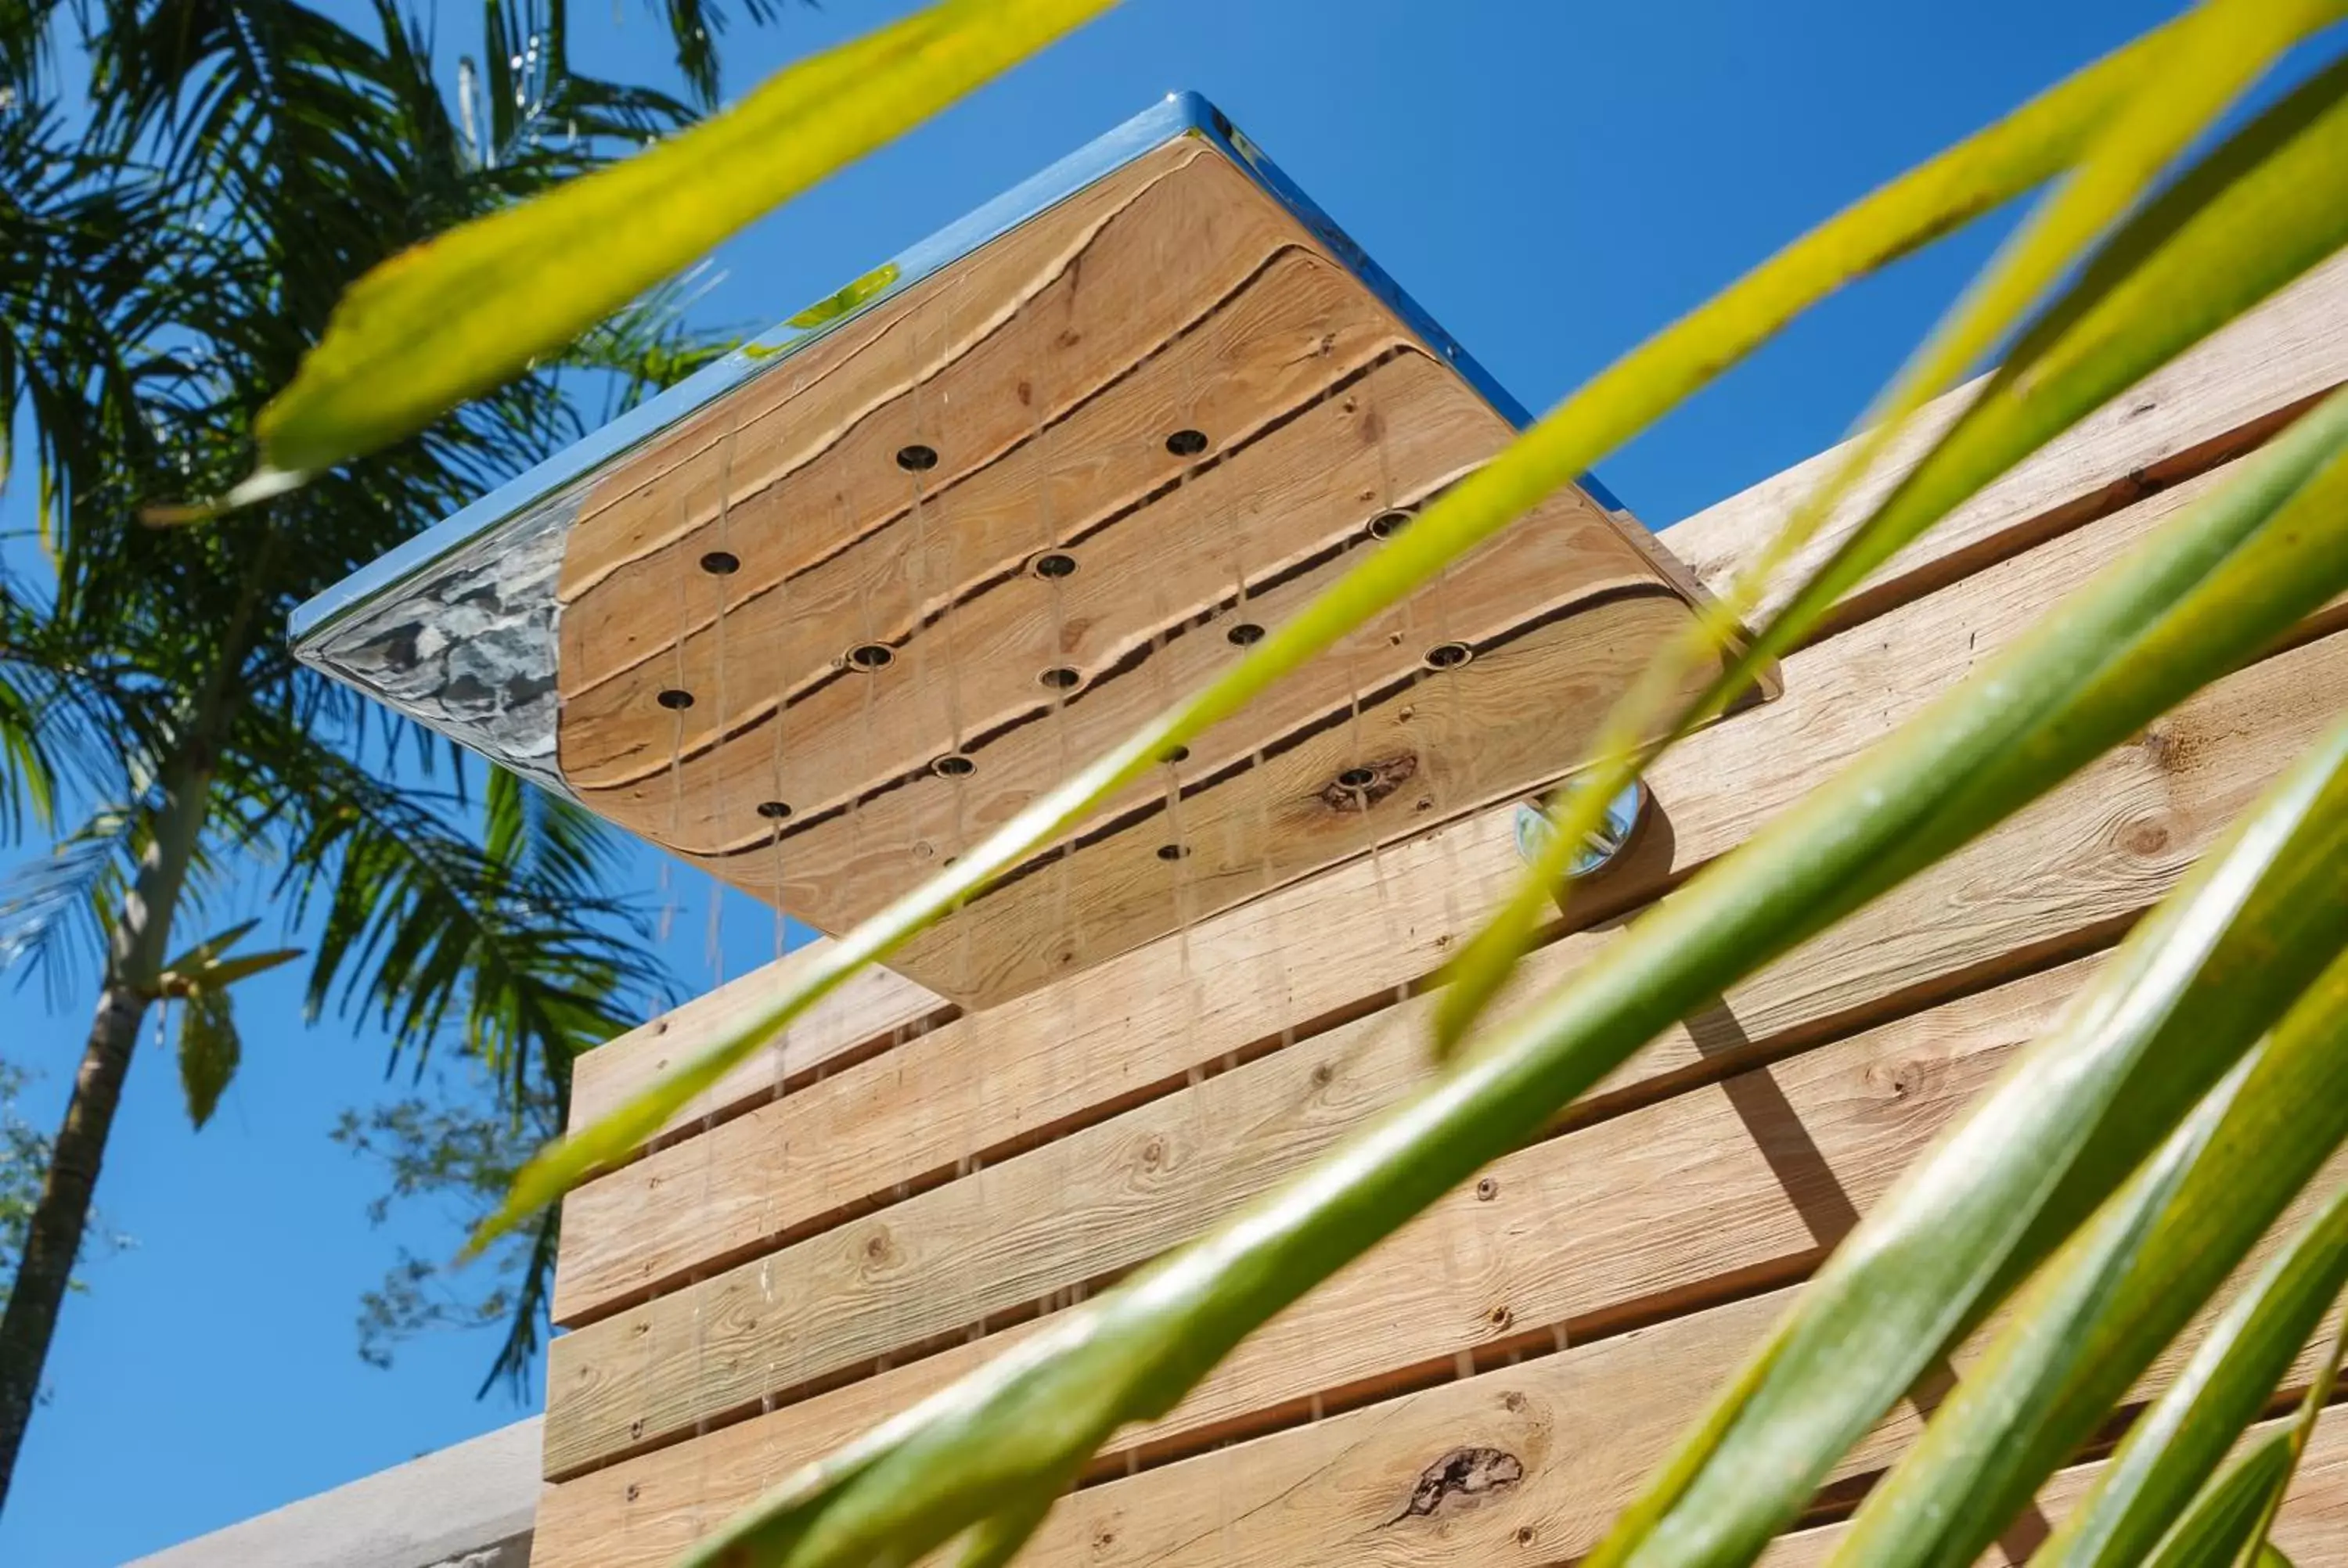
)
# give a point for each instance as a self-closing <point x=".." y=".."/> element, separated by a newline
<point x="820" y="616"/>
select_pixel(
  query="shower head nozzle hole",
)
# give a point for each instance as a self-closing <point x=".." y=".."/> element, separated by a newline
<point x="1054" y="565"/>
<point x="774" y="810"/>
<point x="721" y="563"/>
<point x="871" y="656"/>
<point x="953" y="765"/>
<point x="1173" y="852"/>
<point x="1448" y="655"/>
<point x="677" y="699"/>
<point x="1059" y="678"/>
<point x="1245" y="634"/>
<point x="917" y="458"/>
<point x="1187" y="443"/>
<point x="1388" y="524"/>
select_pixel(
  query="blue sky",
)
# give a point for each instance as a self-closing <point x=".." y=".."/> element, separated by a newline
<point x="1550" y="180"/>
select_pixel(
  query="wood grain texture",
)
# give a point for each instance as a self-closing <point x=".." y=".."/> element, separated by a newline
<point x="1580" y="1226"/>
<point x="874" y="1009"/>
<point x="1426" y="746"/>
<point x="2170" y="425"/>
<point x="1127" y="1105"/>
<point x="807" y="406"/>
<point x="1584" y="1426"/>
<point x="1131" y="1030"/>
<point x="1090" y="1205"/>
<point x="840" y="623"/>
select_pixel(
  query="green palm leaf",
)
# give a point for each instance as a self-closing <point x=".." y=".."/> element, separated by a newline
<point x="2118" y="1292"/>
<point x="2172" y="1448"/>
<point x="2220" y="1523"/>
<point x="461" y="313"/>
<point x="2312" y="1406"/>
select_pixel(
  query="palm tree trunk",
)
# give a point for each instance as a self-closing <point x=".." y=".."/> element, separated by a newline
<point x="134" y="960"/>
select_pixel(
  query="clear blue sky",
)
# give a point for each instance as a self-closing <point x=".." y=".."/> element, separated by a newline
<point x="1551" y="179"/>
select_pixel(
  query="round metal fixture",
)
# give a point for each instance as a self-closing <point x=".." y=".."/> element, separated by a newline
<point x="1388" y="524"/>
<point x="1535" y="827"/>
<point x="1358" y="778"/>
<point x="1055" y="565"/>
<point x="953" y="765"/>
<point x="871" y="656"/>
<point x="1059" y="678"/>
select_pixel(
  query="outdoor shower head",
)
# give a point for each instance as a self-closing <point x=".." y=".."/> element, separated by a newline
<point x="820" y="616"/>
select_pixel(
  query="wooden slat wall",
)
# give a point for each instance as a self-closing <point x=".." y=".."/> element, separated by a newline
<point x="896" y="1192"/>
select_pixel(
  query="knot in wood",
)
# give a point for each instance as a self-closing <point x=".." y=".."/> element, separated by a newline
<point x="1468" y="1474"/>
<point x="1365" y="785"/>
<point x="2146" y="837"/>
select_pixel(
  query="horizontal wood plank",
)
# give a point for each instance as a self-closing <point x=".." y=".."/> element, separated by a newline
<point x="875" y="1009"/>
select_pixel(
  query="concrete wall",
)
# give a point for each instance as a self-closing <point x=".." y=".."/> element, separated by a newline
<point x="469" y="1506"/>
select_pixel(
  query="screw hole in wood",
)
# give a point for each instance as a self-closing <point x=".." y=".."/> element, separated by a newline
<point x="917" y="458"/>
<point x="1187" y="443"/>
<point x="677" y="699"/>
